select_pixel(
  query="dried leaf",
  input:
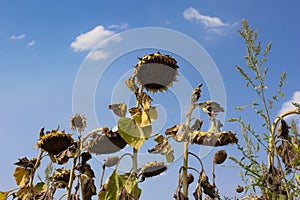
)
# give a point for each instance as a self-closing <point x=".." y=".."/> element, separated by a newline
<point x="118" y="109"/>
<point x="26" y="163"/>
<point x="88" y="187"/>
<point x="196" y="94"/>
<point x="144" y="100"/>
<point x="198" y="193"/>
<point x="70" y="152"/>
<point x="153" y="113"/>
<point x="207" y="187"/>
<point x="21" y="176"/>
<point x="197" y="125"/>
<point x="131" y="84"/>
<point x="283" y="130"/>
<point x="163" y="147"/>
<point x="177" y="132"/>
<point x="25" y="193"/>
<point x="210" y="107"/>
<point x="287" y="153"/>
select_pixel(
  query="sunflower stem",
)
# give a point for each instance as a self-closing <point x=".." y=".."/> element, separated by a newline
<point x="70" y="184"/>
<point x="36" y="165"/>
<point x="186" y="151"/>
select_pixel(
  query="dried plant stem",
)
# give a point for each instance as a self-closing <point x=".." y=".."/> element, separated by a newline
<point x="70" y="184"/>
<point x="36" y="165"/>
<point x="186" y="151"/>
<point x="272" y="135"/>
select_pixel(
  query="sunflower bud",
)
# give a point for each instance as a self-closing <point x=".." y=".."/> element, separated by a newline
<point x="111" y="161"/>
<point x="220" y="157"/>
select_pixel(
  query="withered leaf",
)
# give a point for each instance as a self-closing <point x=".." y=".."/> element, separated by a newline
<point x="131" y="84"/>
<point x="26" y="163"/>
<point x="21" y="176"/>
<point x="197" y="125"/>
<point x="198" y="193"/>
<point x="88" y="187"/>
<point x="70" y="152"/>
<point x="287" y="153"/>
<point x="144" y="100"/>
<point x="207" y="187"/>
<point x="210" y="107"/>
<point x="177" y="132"/>
<point x="163" y="147"/>
<point x="283" y="130"/>
<point x="119" y="109"/>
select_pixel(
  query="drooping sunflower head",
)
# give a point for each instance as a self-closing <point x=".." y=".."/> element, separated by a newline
<point x="55" y="141"/>
<point x="61" y="177"/>
<point x="156" y="72"/>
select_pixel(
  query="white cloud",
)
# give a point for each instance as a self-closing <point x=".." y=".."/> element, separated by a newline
<point x="194" y="15"/>
<point x="96" y="39"/>
<point x="121" y="26"/>
<point x="17" y="37"/>
<point x="91" y="39"/>
<point x="98" y="55"/>
<point x="32" y="43"/>
<point x="288" y="105"/>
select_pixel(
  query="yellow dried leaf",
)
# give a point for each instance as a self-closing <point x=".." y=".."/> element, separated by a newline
<point x="21" y="176"/>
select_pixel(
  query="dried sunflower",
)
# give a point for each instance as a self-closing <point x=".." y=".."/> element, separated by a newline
<point x="55" y="142"/>
<point x="78" y="121"/>
<point x="61" y="177"/>
<point x="153" y="169"/>
<point x="109" y="142"/>
<point x="156" y="72"/>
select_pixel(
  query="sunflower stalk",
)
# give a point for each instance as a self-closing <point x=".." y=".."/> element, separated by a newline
<point x="186" y="151"/>
<point x="36" y="165"/>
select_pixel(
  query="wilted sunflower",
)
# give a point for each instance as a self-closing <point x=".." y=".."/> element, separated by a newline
<point x="78" y="121"/>
<point x="156" y="72"/>
<point x="61" y="177"/>
<point x="55" y="141"/>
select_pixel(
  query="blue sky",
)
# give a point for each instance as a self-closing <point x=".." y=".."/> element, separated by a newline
<point x="44" y="43"/>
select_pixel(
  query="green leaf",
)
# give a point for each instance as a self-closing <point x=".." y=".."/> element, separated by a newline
<point x="114" y="185"/>
<point x="40" y="187"/>
<point x="132" y="133"/>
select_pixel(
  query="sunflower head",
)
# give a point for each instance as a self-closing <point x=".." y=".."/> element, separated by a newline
<point x="156" y="72"/>
<point x="78" y="121"/>
<point x="153" y="169"/>
<point x="61" y="177"/>
<point x="55" y="141"/>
